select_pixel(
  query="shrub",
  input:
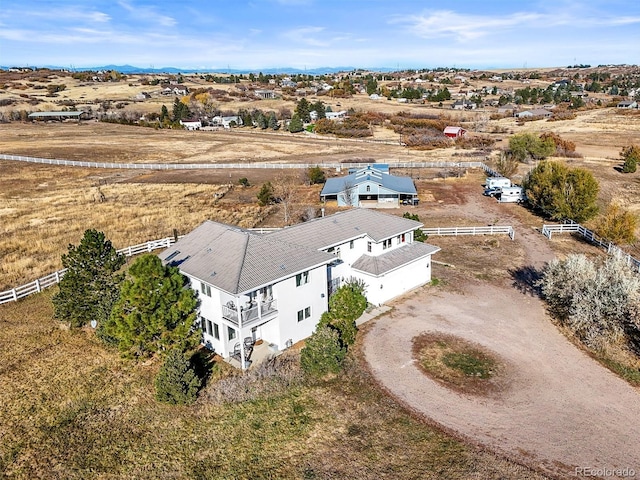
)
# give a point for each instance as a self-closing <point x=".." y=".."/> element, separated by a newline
<point x="177" y="382"/>
<point x="564" y="148"/>
<point x="599" y="304"/>
<point x="418" y="234"/>
<point x="323" y="352"/>
<point x="267" y="379"/>
<point x="244" y="181"/>
<point x="316" y="175"/>
<point x="631" y="157"/>
<point x="527" y="146"/>
<point x="506" y="165"/>
<point x="617" y="225"/>
<point x="562" y="193"/>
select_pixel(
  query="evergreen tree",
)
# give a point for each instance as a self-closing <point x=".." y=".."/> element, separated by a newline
<point x="371" y="86"/>
<point x="265" y="195"/>
<point x="180" y="110"/>
<point x="323" y="352"/>
<point x="296" y="125"/>
<point x="319" y="109"/>
<point x="89" y="287"/>
<point x="273" y="121"/>
<point x="156" y="310"/>
<point x="316" y="175"/>
<point x="177" y="382"/>
<point x="261" y="121"/>
<point x="631" y="157"/>
<point x="164" y="113"/>
<point x="303" y="108"/>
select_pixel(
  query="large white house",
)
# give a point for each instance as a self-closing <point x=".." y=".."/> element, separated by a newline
<point x="276" y="286"/>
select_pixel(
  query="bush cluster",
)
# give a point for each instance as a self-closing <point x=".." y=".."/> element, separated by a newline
<point x="600" y="304"/>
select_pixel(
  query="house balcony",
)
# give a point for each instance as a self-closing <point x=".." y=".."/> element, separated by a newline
<point x="250" y="316"/>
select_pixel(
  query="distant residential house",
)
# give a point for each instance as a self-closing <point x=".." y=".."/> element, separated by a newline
<point x="370" y="187"/>
<point x="175" y="90"/>
<point x="191" y="124"/>
<point x="463" y="105"/>
<point x="226" y="122"/>
<point x="288" y="83"/>
<point x="336" y="115"/>
<point x="275" y="287"/>
<point x="374" y="96"/>
<point x="627" y="104"/>
<point x="265" y="94"/>
<point x="454" y="132"/>
<point x="535" y="113"/>
<point x="142" y="96"/>
<point x="508" y="108"/>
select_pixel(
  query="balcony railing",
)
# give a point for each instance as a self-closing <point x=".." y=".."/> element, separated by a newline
<point x="251" y="315"/>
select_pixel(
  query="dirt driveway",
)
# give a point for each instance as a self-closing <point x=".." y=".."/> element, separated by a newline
<point x="560" y="410"/>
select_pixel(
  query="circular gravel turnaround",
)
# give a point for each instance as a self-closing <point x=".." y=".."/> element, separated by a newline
<point x="562" y="410"/>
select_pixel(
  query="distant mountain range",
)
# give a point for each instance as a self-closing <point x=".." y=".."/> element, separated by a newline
<point x="173" y="70"/>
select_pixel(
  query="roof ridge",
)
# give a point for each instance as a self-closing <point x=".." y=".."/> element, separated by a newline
<point x="247" y="236"/>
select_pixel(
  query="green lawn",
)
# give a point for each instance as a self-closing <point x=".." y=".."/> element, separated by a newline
<point x="72" y="409"/>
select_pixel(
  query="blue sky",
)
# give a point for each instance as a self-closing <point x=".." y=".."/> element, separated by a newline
<point x="260" y="34"/>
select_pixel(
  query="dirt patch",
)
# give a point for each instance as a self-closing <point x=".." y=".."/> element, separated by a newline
<point x="460" y="365"/>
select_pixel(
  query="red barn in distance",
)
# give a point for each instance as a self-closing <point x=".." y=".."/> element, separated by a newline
<point x="454" y="132"/>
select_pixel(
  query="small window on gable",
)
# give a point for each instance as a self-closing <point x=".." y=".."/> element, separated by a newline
<point x="368" y="188"/>
<point x="369" y="247"/>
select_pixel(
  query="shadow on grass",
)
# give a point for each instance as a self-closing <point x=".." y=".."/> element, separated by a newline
<point x="526" y="280"/>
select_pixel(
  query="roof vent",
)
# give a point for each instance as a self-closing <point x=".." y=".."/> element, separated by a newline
<point x="282" y="267"/>
<point x="213" y="274"/>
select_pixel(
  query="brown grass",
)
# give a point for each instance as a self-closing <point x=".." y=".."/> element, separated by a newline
<point x="72" y="409"/>
<point x="458" y="364"/>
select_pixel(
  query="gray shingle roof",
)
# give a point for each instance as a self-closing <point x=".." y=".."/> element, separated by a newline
<point x="238" y="261"/>
<point x="393" y="259"/>
<point x="334" y="186"/>
<point x="340" y="227"/>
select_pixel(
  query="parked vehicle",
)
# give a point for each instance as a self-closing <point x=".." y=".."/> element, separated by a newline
<point x="511" y="194"/>
<point x="497" y="182"/>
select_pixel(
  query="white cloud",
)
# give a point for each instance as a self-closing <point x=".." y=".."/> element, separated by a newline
<point x="312" y="36"/>
<point x="148" y="14"/>
<point x="465" y="28"/>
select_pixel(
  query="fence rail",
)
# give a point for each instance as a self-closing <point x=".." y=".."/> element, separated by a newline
<point x="592" y="237"/>
<point x="457" y="231"/>
<point x="245" y="165"/>
<point x="39" y="284"/>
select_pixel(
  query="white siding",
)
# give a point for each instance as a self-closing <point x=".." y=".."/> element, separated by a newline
<point x="312" y="294"/>
<point x="384" y="288"/>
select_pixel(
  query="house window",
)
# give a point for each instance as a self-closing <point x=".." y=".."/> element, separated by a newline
<point x="338" y="252"/>
<point x="368" y="188"/>
<point x="402" y="238"/>
<point x="231" y="333"/>
<point x="303" y="314"/>
<point x="386" y="244"/>
<point x="302" y="278"/>
<point x="351" y="244"/>
<point x="216" y="331"/>
<point x="205" y="289"/>
<point x="369" y="247"/>
<point x="399" y="240"/>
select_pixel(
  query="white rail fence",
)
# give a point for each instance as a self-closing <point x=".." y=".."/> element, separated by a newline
<point x="245" y="165"/>
<point x="458" y="231"/>
<point x="52" y="279"/>
<point x="549" y="230"/>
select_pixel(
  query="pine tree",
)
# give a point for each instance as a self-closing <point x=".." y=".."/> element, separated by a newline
<point x="177" y="382"/>
<point x="295" y="125"/>
<point x="273" y="121"/>
<point x="156" y="310"/>
<point x="265" y="195"/>
<point x="303" y="108"/>
<point x="89" y="287"/>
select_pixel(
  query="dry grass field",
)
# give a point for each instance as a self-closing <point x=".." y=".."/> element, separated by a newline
<point x="72" y="409"/>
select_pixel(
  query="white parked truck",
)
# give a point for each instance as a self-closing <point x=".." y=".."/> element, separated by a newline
<point x="511" y="194"/>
